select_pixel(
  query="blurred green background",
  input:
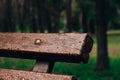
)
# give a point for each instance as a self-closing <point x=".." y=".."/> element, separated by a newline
<point x="94" y="17"/>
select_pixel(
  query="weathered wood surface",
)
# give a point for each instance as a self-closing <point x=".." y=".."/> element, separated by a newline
<point x="45" y="67"/>
<point x="7" y="74"/>
<point x="55" y="46"/>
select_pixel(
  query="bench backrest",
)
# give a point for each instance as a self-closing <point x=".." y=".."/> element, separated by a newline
<point x="67" y="47"/>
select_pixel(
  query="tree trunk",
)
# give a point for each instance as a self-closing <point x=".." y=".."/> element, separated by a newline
<point x="23" y="21"/>
<point x="41" y="14"/>
<point x="8" y="20"/>
<point x="2" y="16"/>
<point x="48" y="18"/>
<point x="33" y="24"/>
<point x="83" y="21"/>
<point x="102" y="52"/>
<point x="56" y="15"/>
<point x="18" y="12"/>
<point x="91" y="26"/>
<point x="69" y="15"/>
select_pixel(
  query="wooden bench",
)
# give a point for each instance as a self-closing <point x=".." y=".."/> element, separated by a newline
<point x="46" y="49"/>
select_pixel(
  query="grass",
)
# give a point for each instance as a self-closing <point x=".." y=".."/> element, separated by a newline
<point x="81" y="71"/>
<point x="22" y="64"/>
<point x="86" y="71"/>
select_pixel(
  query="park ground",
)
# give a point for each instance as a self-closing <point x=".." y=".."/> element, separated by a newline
<point x="81" y="71"/>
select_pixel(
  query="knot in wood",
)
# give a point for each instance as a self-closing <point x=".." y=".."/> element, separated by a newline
<point x="37" y="42"/>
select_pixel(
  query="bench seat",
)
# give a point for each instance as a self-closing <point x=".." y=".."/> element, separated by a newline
<point x="8" y="74"/>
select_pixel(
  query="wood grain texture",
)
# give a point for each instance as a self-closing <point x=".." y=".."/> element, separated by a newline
<point x="7" y="74"/>
<point x="42" y="45"/>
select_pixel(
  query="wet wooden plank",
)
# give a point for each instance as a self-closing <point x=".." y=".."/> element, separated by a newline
<point x="7" y="74"/>
<point x="55" y="46"/>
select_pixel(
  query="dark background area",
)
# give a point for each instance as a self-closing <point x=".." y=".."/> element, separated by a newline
<point x="56" y="15"/>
